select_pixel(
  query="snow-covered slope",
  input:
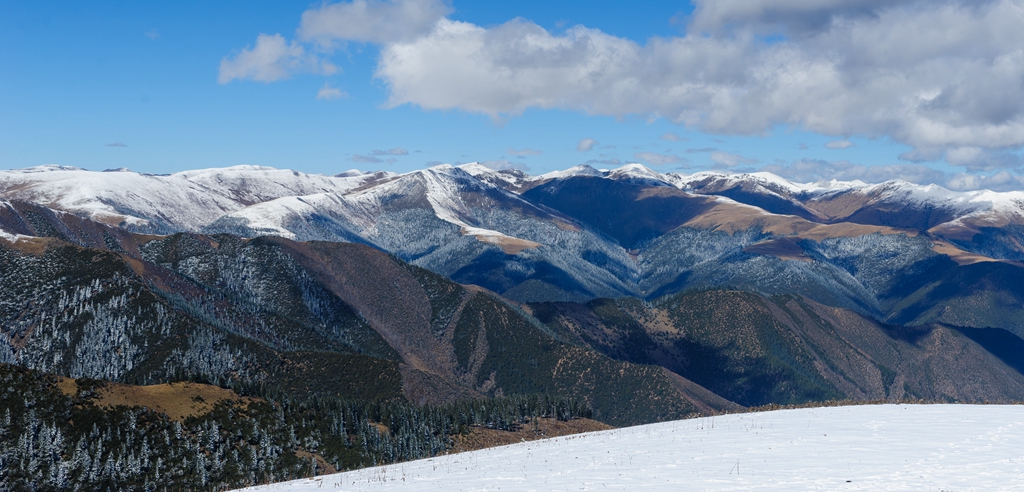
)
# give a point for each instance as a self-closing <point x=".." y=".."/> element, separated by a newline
<point x="448" y="193"/>
<point x="447" y="220"/>
<point x="187" y="200"/>
<point x="885" y="447"/>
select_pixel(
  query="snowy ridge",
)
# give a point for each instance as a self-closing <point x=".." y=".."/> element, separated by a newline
<point x="510" y="178"/>
<point x="183" y="201"/>
<point x="964" y="202"/>
<point x="580" y="170"/>
<point x="441" y="188"/>
<point x="192" y="200"/>
<point x="868" y="447"/>
<point x="765" y="180"/>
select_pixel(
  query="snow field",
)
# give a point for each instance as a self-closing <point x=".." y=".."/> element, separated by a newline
<point x="870" y="447"/>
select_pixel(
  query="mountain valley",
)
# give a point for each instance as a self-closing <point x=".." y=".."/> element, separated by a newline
<point x="626" y="296"/>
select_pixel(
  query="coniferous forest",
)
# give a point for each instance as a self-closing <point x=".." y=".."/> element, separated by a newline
<point x="50" y="440"/>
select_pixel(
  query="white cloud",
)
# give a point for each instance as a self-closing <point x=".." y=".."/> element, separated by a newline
<point x="371" y="21"/>
<point x="586" y="144"/>
<point x="273" y="58"/>
<point x="394" y="151"/>
<point x="115" y="144"/>
<point x="1001" y="181"/>
<point x="839" y="144"/>
<point x="726" y="160"/>
<point x="798" y="16"/>
<point x="811" y="170"/>
<point x="328" y="93"/>
<point x="673" y="137"/>
<point x="153" y="34"/>
<point x="937" y="74"/>
<point x="657" y="159"/>
<point x="523" y="152"/>
<point x="975" y="159"/>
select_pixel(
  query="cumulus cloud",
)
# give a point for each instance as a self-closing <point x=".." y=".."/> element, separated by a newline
<point x="673" y="137"/>
<point x="153" y="34"/>
<point x="700" y="150"/>
<point x="394" y="151"/>
<point x="728" y="160"/>
<point x="1001" y="181"/>
<point x="328" y="93"/>
<point x="586" y="144"/>
<point x="940" y="76"/>
<point x="272" y="58"/>
<point x="839" y="144"/>
<point x="371" y="21"/>
<point x="975" y="159"/>
<point x="523" y="152"/>
<point x="657" y="159"/>
<point x="940" y="73"/>
<point x="767" y="16"/>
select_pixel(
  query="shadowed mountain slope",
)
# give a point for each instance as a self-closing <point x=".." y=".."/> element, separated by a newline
<point x="756" y="350"/>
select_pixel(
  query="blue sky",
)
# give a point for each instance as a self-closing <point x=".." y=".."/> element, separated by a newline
<point x="143" y="85"/>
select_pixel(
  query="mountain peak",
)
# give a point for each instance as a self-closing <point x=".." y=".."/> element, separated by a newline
<point x="45" y="168"/>
<point x="579" y="170"/>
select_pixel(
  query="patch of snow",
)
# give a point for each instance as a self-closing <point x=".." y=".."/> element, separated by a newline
<point x="869" y="447"/>
<point x="478" y="232"/>
<point x="13" y="237"/>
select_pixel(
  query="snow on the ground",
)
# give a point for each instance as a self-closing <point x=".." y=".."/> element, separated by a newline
<point x="878" y="447"/>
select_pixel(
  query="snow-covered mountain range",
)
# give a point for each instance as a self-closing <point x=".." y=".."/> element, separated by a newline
<point x="570" y="235"/>
<point x="191" y="200"/>
<point x="871" y="447"/>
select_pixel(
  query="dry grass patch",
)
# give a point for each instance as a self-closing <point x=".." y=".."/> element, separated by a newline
<point x="178" y="401"/>
<point x="962" y="257"/>
<point x="482" y="438"/>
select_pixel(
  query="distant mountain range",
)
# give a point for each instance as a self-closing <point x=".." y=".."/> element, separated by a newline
<point x="647" y="296"/>
<point x="582" y="234"/>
